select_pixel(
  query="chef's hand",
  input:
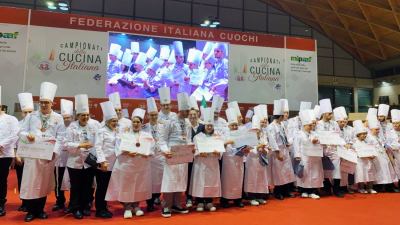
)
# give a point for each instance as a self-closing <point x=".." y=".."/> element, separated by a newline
<point x="315" y="141"/>
<point x="203" y="154"/>
<point x="85" y="145"/>
<point x="348" y="146"/>
<point x="168" y="155"/>
<point x="246" y="150"/>
<point x="31" y="138"/>
<point x="19" y="161"/>
<point x="104" y="166"/>
<point x="371" y="157"/>
<point x="215" y="153"/>
<point x="279" y="156"/>
<point x="229" y="142"/>
<point x="132" y="154"/>
<point x="297" y="158"/>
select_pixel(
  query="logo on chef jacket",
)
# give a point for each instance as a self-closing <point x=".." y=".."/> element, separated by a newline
<point x="44" y="66"/>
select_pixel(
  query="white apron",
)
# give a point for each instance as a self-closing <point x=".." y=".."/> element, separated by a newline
<point x="157" y="170"/>
<point x="38" y="178"/>
<point x="206" y="181"/>
<point x="232" y="176"/>
<point x="130" y="179"/>
<point x="256" y="175"/>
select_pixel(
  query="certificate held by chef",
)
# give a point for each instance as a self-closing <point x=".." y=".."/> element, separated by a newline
<point x="140" y="143"/>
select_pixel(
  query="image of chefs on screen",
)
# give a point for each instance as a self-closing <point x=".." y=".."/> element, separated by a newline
<point x="136" y="74"/>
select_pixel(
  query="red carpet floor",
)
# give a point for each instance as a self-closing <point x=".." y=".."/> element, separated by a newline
<point x="380" y="209"/>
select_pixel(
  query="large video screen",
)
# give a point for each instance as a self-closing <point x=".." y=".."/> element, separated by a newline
<point x="138" y="65"/>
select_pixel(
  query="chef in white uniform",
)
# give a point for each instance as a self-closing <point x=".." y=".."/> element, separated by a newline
<point x="8" y="138"/>
<point x="393" y="140"/>
<point x="282" y="169"/>
<point x="385" y="125"/>
<point x="38" y="175"/>
<point x="165" y="113"/>
<point x="124" y="124"/>
<point x="80" y="145"/>
<point x="365" y="173"/>
<point x="312" y="176"/>
<point x="67" y="112"/>
<point x="235" y="105"/>
<point x="330" y="152"/>
<point x="105" y="151"/>
<point x="385" y="173"/>
<point x="256" y="173"/>
<point x="154" y="127"/>
<point x="26" y="103"/>
<point x="220" y="124"/>
<point x="179" y="72"/>
<point x="130" y="181"/>
<point x="347" y="133"/>
<point x="205" y="182"/>
<point x="175" y="177"/>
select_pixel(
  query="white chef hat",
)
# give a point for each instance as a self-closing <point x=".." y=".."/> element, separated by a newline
<point x="155" y="64"/>
<point x="114" y="49"/>
<point x="383" y="110"/>
<point x="305" y="105"/>
<point x="325" y="106"/>
<point x="26" y="101"/>
<point x="151" y="53"/>
<point x="359" y="127"/>
<point x="317" y="112"/>
<point x="278" y="108"/>
<point x="165" y="95"/>
<point x="340" y="113"/>
<point x="178" y="48"/>
<point x="210" y="58"/>
<point x="164" y="52"/>
<point x="120" y="53"/>
<point x="217" y="103"/>
<point x="373" y="123"/>
<point x="139" y="112"/>
<point x="395" y="113"/>
<point x="125" y="113"/>
<point x="221" y="46"/>
<point x="193" y="103"/>
<point x="194" y="56"/>
<point x="234" y="105"/>
<point x="115" y="99"/>
<point x="183" y="101"/>
<point x="306" y="117"/>
<point x="208" y="47"/>
<point x="255" y="122"/>
<point x="81" y="103"/>
<point x="372" y="113"/>
<point x="135" y="48"/>
<point x="208" y="114"/>
<point x="249" y="114"/>
<point x="285" y="104"/>
<point x="312" y="114"/>
<point x="127" y="57"/>
<point x="108" y="110"/>
<point x="47" y="91"/>
<point x="261" y="111"/>
<point x="67" y="107"/>
<point x="141" y="59"/>
<point x="171" y="58"/>
<point x="231" y="115"/>
<point x="151" y="105"/>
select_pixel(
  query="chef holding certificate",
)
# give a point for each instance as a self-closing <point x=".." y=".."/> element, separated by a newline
<point x="330" y="152"/>
<point x="153" y="127"/>
<point x="130" y="181"/>
<point x="206" y="183"/>
<point x="312" y="176"/>
<point x="256" y="173"/>
<point x="38" y="174"/>
<point x="232" y="165"/>
<point x="365" y="170"/>
<point x="80" y="142"/>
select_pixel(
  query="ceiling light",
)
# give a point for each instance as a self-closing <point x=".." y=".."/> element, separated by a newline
<point x="62" y="4"/>
<point x="203" y="25"/>
<point x="49" y="3"/>
<point x="206" y="22"/>
<point x="213" y="25"/>
<point x="64" y="8"/>
<point x="216" y="22"/>
<point x="52" y="7"/>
